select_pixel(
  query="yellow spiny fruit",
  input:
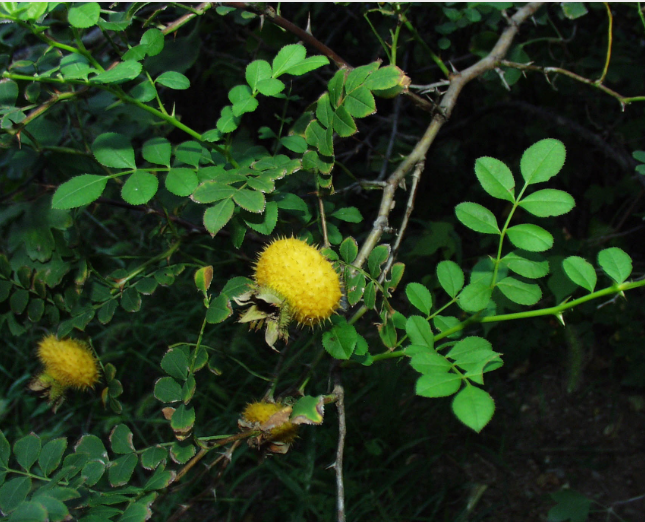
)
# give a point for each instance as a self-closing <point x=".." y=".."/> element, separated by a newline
<point x="258" y="413"/>
<point x="69" y="362"/>
<point x="301" y="275"/>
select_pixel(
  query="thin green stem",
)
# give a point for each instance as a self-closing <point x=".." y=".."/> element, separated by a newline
<point x="609" y="42"/>
<point x="556" y="311"/>
<point x="503" y="234"/>
<point x="378" y="36"/>
<point x="640" y="14"/>
<point x="433" y="55"/>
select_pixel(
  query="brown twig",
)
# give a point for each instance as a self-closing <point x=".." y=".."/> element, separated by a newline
<point x="414" y="185"/>
<point x="225" y="459"/>
<point x="323" y="221"/>
<point x="457" y="82"/>
<point x="272" y="16"/>
<point x="623" y="100"/>
<point x="199" y="10"/>
<point x="306" y="37"/>
<point x="339" y="393"/>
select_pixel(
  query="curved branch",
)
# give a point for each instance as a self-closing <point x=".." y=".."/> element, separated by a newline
<point x="457" y="82"/>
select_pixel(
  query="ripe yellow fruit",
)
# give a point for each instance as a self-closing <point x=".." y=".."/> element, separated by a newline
<point x="293" y="281"/>
<point x="259" y="414"/>
<point x="68" y="361"/>
<point x="301" y="275"/>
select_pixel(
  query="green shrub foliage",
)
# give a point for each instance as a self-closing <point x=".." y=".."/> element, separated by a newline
<point x="135" y="227"/>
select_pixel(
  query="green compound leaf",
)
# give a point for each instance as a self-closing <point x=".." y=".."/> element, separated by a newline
<point x="419" y="331"/>
<point x="335" y="88"/>
<point x="217" y="216"/>
<point x="182" y="453"/>
<point x="289" y="56"/>
<point x="242" y="99"/>
<point x="495" y="178"/>
<point x="160" y="480"/>
<point x="153" y="41"/>
<point x="189" y="152"/>
<point x="474" y="297"/>
<point x="219" y="309"/>
<point x="139" y="188"/>
<point x="369" y="295"/>
<point x="123" y="72"/>
<point x="114" y="150"/>
<point x="349" y="214"/>
<point x="270" y="87"/>
<point x="91" y="446"/>
<point x="181" y="181"/>
<point x="616" y="263"/>
<point x="236" y="286"/>
<point x="78" y="191"/>
<point x="121" y="470"/>
<point x="203" y="278"/>
<point x="419" y="297"/>
<point x="571" y="506"/>
<point x="250" y="200"/>
<point x="477" y="218"/>
<point x="92" y="472"/>
<point x="317" y="136"/>
<point x="530" y="237"/>
<point x="5" y="450"/>
<point x="377" y="257"/>
<point x="173" y="80"/>
<point x="295" y="144"/>
<point x="51" y="455"/>
<point x="308" y="410"/>
<point x="340" y="341"/>
<point x="227" y="122"/>
<point x="429" y="362"/>
<point x="13" y="492"/>
<point x="581" y="272"/>
<point x="131" y="300"/>
<point x="32" y="511"/>
<point x="175" y="363"/>
<point x="324" y="111"/>
<point x="152" y="456"/>
<point x="451" y="277"/>
<point x="356" y="78"/>
<point x="526" y="264"/>
<point x="548" y="202"/>
<point x="360" y="103"/>
<point x="308" y="64"/>
<point x="543" y="160"/>
<point x="8" y="93"/>
<point x="121" y="440"/>
<point x="183" y="418"/>
<point x="519" y="292"/>
<point x="573" y="10"/>
<point x="266" y="222"/>
<point x="211" y="191"/>
<point x="26" y="450"/>
<point x="384" y="78"/>
<point x="348" y="249"/>
<point x="84" y="16"/>
<point x="343" y="123"/>
<point x="438" y="384"/>
<point x="257" y="71"/>
<point x="157" y="150"/>
<point x="55" y="510"/>
<point x="474" y="407"/>
<point x="443" y="323"/>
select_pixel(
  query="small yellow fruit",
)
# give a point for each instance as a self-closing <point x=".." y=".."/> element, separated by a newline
<point x="301" y="275"/>
<point x="258" y="414"/>
<point x="68" y="361"/>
